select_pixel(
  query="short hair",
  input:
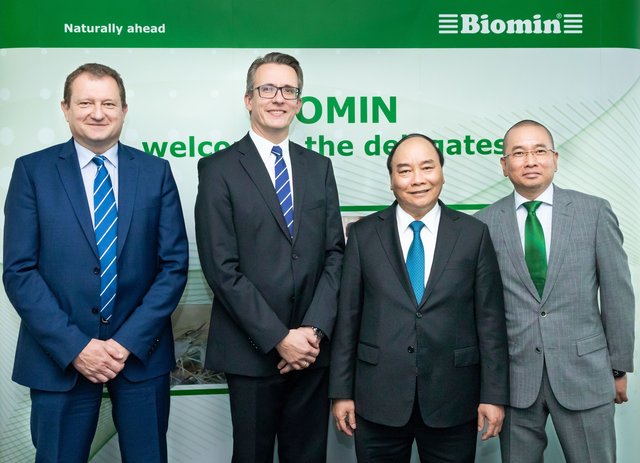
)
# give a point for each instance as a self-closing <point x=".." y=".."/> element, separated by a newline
<point x="273" y="58"/>
<point x="96" y="70"/>
<point x="414" y="135"/>
<point x="529" y="123"/>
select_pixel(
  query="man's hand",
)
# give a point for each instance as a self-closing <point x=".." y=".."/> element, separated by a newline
<point x="298" y="349"/>
<point x="493" y="415"/>
<point x="621" y="390"/>
<point x="115" y="349"/>
<point x="344" y="412"/>
<point x="97" y="363"/>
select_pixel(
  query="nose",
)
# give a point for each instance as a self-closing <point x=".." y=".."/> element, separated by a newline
<point x="419" y="177"/>
<point x="97" y="112"/>
<point x="279" y="96"/>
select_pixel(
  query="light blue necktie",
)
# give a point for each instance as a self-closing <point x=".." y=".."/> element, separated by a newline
<point x="283" y="188"/>
<point x="415" y="261"/>
<point x="105" y="214"/>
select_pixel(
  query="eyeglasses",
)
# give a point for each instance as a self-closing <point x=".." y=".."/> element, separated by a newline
<point x="538" y="153"/>
<point x="270" y="91"/>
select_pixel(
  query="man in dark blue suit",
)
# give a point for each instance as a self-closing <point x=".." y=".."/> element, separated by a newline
<point x="95" y="262"/>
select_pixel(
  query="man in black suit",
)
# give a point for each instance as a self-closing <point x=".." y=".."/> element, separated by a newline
<point x="273" y="262"/>
<point x="409" y="361"/>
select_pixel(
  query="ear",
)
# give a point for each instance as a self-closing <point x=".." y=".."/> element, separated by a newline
<point x="503" y="163"/>
<point x="247" y="102"/>
<point x="65" y="110"/>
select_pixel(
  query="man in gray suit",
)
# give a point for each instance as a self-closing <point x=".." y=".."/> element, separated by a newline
<point x="558" y="250"/>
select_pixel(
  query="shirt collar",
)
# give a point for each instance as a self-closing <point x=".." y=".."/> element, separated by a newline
<point x="546" y="197"/>
<point x="430" y="220"/>
<point x="264" y="146"/>
<point x="85" y="155"/>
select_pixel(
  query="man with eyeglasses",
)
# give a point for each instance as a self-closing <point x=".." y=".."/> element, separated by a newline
<point x="558" y="251"/>
<point x="270" y="241"/>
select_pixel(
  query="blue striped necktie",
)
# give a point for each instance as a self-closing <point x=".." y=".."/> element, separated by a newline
<point x="105" y="214"/>
<point x="283" y="188"/>
<point x="415" y="261"/>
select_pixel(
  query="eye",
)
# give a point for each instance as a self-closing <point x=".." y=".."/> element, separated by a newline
<point x="517" y="154"/>
<point x="540" y="152"/>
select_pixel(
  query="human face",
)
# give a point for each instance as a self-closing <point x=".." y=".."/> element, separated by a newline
<point x="271" y="117"/>
<point x="95" y="113"/>
<point x="416" y="177"/>
<point x="530" y="175"/>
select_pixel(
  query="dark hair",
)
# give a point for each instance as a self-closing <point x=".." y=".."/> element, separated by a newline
<point x="529" y="123"/>
<point x="407" y="137"/>
<point x="96" y="70"/>
<point x="272" y="58"/>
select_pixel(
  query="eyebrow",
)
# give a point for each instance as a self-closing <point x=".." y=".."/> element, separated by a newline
<point x="405" y="164"/>
<point x="537" y="145"/>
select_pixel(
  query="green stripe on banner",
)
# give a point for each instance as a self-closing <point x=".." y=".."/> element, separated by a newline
<point x="327" y="24"/>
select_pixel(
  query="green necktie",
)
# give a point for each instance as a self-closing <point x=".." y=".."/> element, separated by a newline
<point x="535" y="250"/>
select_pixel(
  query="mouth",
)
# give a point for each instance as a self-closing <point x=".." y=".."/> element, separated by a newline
<point x="419" y="192"/>
<point x="277" y="112"/>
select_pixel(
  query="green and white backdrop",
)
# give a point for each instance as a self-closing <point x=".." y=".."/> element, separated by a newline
<point x="461" y="71"/>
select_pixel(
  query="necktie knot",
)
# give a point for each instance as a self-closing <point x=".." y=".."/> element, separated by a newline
<point x="98" y="160"/>
<point x="416" y="226"/>
<point x="277" y="151"/>
<point x="532" y="206"/>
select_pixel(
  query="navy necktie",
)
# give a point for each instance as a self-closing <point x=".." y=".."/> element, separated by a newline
<point x="105" y="214"/>
<point x="415" y="261"/>
<point x="283" y="188"/>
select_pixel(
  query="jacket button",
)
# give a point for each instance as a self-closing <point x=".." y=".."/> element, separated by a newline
<point x="538" y="350"/>
<point x="543" y="314"/>
<point x="96" y="270"/>
<point x="411" y="349"/>
<point x="418" y="314"/>
<point x="294" y="256"/>
<point x="95" y="310"/>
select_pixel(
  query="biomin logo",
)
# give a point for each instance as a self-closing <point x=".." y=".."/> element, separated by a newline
<point x="467" y="23"/>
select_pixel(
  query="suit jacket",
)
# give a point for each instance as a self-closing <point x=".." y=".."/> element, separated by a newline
<point x="579" y="339"/>
<point x="264" y="282"/>
<point x="452" y="345"/>
<point x="52" y="268"/>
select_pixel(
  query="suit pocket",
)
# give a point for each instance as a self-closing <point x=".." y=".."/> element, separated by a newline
<point x="368" y="354"/>
<point x="591" y="344"/>
<point x="466" y="356"/>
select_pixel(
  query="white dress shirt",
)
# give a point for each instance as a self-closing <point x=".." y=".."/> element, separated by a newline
<point x="428" y="235"/>
<point x="89" y="169"/>
<point x="543" y="213"/>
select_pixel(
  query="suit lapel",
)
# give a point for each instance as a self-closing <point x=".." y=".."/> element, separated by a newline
<point x="387" y="229"/>
<point x="127" y="186"/>
<point x="69" y="171"/>
<point x="448" y="232"/>
<point x="561" y="222"/>
<point x="298" y="171"/>
<point x="513" y="243"/>
<point x="255" y="168"/>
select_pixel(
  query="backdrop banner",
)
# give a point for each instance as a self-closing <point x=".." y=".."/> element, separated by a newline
<point x="461" y="72"/>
